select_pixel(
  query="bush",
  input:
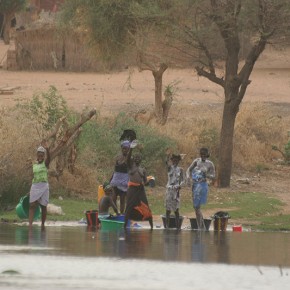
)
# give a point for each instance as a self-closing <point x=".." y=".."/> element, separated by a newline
<point x="13" y="188"/>
<point x="99" y="144"/>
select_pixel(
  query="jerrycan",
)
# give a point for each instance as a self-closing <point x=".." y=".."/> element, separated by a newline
<point x="101" y="192"/>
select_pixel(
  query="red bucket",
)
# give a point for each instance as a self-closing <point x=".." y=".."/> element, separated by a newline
<point x="237" y="228"/>
<point x="92" y="218"/>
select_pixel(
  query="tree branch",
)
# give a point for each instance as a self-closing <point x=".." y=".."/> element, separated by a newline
<point x="247" y="69"/>
<point x="212" y="77"/>
<point x="69" y="135"/>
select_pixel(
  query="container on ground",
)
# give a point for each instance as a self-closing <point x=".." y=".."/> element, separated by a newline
<point x="92" y="218"/>
<point x="120" y="218"/>
<point x="194" y="225"/>
<point x="237" y="228"/>
<point x="22" y="209"/>
<point x="172" y="221"/>
<point x="107" y="224"/>
<point x="221" y="221"/>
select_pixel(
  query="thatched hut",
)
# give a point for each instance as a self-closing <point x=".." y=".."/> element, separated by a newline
<point x="43" y="48"/>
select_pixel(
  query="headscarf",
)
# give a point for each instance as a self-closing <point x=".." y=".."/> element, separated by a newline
<point x="176" y="156"/>
<point x="125" y="144"/>
<point x="41" y="149"/>
<point x="107" y="186"/>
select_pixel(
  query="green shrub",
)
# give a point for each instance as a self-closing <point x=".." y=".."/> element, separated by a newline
<point x="11" y="190"/>
<point x="45" y="108"/>
<point x="101" y="138"/>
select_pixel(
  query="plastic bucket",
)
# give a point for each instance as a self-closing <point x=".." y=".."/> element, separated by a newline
<point x="119" y="218"/>
<point x="92" y="218"/>
<point x="107" y="224"/>
<point x="101" y="192"/>
<point x="194" y="225"/>
<point x="22" y="209"/>
<point x="237" y="228"/>
<point x="220" y="224"/>
<point x="221" y="221"/>
<point x="172" y="221"/>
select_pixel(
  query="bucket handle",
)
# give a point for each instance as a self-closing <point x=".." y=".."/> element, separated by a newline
<point x="21" y="199"/>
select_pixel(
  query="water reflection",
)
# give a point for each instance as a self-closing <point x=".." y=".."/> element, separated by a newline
<point x="198" y="248"/>
<point x="34" y="237"/>
<point x="248" y="248"/>
<point x="221" y="245"/>
<point x="172" y="243"/>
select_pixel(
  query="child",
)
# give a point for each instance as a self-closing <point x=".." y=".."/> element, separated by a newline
<point x="200" y="169"/>
<point x="172" y="196"/>
<point x="137" y="207"/>
<point x="39" y="192"/>
<point x="106" y="202"/>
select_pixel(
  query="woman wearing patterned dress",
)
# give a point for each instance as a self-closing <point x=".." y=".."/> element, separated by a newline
<point x="200" y="170"/>
<point x="172" y="196"/>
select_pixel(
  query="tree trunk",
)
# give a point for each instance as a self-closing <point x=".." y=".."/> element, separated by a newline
<point x="158" y="94"/>
<point x="226" y="144"/>
<point x="158" y="75"/>
<point x="166" y="105"/>
<point x="6" y="28"/>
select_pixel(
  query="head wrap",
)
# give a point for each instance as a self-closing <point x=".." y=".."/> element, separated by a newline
<point x="176" y="156"/>
<point x="41" y="149"/>
<point x="107" y="185"/>
<point x="125" y="144"/>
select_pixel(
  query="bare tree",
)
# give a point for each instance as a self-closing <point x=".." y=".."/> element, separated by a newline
<point x="215" y="31"/>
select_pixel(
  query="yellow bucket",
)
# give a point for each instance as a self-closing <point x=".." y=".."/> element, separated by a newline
<point x="101" y="192"/>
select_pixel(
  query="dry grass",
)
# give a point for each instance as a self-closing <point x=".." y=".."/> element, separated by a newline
<point x="258" y="127"/>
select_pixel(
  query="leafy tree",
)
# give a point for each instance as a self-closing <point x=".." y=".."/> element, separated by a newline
<point x="114" y="27"/>
<point x="215" y="29"/>
<point x="8" y="8"/>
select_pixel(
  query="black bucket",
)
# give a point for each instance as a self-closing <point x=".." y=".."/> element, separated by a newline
<point x="92" y="218"/>
<point x="172" y="221"/>
<point x="194" y="226"/>
<point x="221" y="221"/>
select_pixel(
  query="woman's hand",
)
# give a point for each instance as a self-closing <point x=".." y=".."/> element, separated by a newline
<point x="133" y="144"/>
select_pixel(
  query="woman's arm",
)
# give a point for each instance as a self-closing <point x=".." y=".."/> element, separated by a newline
<point x="190" y="168"/>
<point x="129" y="158"/>
<point x="182" y="179"/>
<point x="211" y="171"/>
<point x="113" y="205"/>
<point x="47" y="160"/>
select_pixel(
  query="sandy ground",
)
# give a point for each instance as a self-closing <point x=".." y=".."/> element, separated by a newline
<point x="118" y="91"/>
<point x="112" y="92"/>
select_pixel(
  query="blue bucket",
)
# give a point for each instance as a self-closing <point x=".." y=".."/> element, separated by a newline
<point x="119" y="218"/>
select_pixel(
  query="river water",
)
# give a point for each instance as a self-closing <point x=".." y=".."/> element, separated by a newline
<point x="77" y="257"/>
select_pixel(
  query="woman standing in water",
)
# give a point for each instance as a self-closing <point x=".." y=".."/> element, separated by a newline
<point x="39" y="192"/>
<point x="137" y="207"/>
<point x="174" y="183"/>
<point x="120" y="177"/>
<point x="200" y="170"/>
